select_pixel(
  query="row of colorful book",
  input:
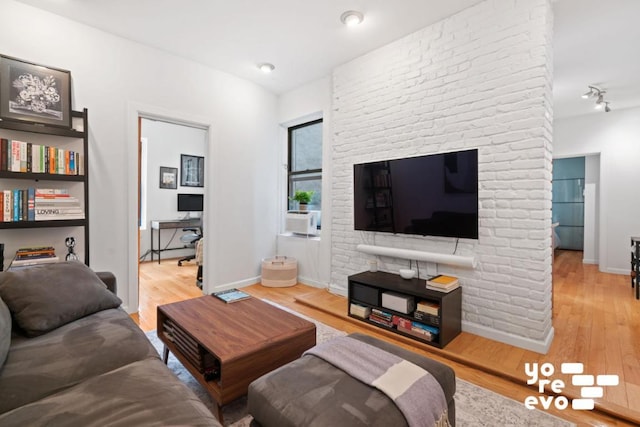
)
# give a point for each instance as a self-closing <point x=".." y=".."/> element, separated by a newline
<point x="417" y="329"/>
<point x="39" y="204"/>
<point x="390" y="320"/>
<point x="34" y="256"/>
<point x="20" y="156"/>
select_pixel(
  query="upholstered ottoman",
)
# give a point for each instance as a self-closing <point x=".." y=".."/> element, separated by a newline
<point x="312" y="391"/>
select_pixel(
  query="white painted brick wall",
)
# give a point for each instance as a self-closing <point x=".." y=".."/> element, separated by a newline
<point x="479" y="79"/>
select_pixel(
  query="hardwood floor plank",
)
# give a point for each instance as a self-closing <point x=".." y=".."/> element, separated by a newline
<point x="595" y="316"/>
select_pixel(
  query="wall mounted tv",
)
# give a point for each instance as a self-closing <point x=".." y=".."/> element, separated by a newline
<point x="433" y="195"/>
<point x="190" y="202"/>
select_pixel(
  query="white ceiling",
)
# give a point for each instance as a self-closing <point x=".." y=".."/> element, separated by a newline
<point x="594" y="40"/>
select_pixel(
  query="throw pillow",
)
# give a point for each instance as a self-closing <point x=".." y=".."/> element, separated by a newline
<point x="5" y="331"/>
<point x="45" y="297"/>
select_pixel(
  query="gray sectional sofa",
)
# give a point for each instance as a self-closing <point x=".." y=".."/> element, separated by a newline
<point x="70" y="357"/>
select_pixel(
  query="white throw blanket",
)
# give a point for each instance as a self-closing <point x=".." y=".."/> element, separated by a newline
<point x="416" y="393"/>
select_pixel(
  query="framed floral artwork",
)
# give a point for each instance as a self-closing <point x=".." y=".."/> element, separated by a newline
<point x="34" y="93"/>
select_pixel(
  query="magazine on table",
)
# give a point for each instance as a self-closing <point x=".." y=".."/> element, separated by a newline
<point x="231" y="295"/>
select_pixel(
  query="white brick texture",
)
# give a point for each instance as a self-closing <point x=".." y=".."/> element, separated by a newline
<point x="479" y="79"/>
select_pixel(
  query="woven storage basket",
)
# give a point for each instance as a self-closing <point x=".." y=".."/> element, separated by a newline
<point x="279" y="272"/>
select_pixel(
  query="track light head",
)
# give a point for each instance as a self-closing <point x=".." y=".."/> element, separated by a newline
<point x="597" y="93"/>
<point x="593" y="92"/>
<point x="588" y="94"/>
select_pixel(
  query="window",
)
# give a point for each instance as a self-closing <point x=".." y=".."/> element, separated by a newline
<point x="305" y="162"/>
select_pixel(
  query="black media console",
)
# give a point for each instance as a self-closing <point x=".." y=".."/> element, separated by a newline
<point x="366" y="290"/>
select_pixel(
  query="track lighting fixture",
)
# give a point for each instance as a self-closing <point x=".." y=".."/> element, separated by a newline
<point x="597" y="93"/>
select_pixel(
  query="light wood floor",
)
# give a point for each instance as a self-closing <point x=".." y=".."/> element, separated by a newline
<point x="596" y="321"/>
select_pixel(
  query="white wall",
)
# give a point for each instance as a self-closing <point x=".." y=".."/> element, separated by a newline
<point x="615" y="136"/>
<point x="110" y="74"/>
<point x="591" y="252"/>
<point x="165" y="143"/>
<point x="481" y="78"/>
<point x="309" y="102"/>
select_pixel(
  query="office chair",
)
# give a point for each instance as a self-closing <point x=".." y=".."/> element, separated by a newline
<point x="190" y="239"/>
<point x="199" y="249"/>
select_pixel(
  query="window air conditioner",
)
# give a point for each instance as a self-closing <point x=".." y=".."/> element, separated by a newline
<point x="302" y="222"/>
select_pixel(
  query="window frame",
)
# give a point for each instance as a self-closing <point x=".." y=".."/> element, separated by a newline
<point x="291" y="175"/>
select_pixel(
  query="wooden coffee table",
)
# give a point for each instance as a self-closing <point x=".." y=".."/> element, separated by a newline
<point x="226" y="346"/>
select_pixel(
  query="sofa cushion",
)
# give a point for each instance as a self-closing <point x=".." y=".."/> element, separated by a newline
<point x="143" y="393"/>
<point x="45" y="365"/>
<point x="45" y="297"/>
<point x="5" y="331"/>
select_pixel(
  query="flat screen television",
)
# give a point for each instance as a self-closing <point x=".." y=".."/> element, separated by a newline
<point x="433" y="195"/>
<point x="190" y="202"/>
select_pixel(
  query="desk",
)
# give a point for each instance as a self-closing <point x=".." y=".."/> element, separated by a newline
<point x="170" y="223"/>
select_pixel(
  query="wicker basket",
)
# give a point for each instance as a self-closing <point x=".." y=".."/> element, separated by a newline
<point x="279" y="272"/>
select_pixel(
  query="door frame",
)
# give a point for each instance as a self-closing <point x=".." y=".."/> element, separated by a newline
<point x="134" y="112"/>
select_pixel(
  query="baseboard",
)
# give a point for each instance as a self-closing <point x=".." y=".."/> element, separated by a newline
<point x="338" y="290"/>
<point x="589" y="261"/>
<point x="617" y="271"/>
<point x="254" y="280"/>
<point x="238" y="284"/>
<point x="541" y="347"/>
<point x="311" y="282"/>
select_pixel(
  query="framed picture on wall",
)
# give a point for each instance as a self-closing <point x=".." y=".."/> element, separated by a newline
<point x="191" y="171"/>
<point x="34" y="93"/>
<point x="168" y="177"/>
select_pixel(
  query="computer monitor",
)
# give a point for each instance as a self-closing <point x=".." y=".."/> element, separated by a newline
<point x="190" y="202"/>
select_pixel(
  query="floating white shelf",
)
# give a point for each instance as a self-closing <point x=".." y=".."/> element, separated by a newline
<point x="455" y="260"/>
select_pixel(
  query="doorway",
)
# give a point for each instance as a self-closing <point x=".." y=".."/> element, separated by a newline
<point x="568" y="202"/>
<point x="575" y="205"/>
<point x="164" y="145"/>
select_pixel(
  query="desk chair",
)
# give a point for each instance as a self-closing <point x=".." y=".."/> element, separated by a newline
<point x="199" y="248"/>
<point x="190" y="239"/>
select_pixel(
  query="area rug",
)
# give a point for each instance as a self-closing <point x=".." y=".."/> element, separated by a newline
<point x="475" y="406"/>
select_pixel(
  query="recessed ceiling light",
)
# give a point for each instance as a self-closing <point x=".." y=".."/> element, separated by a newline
<point x="351" y="18"/>
<point x="266" y="67"/>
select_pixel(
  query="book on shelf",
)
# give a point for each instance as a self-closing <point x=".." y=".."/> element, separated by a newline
<point x="380" y="320"/>
<point x="446" y="289"/>
<point x="429" y="307"/>
<point x="34" y="261"/>
<point x="34" y="256"/>
<point x="231" y="295"/>
<point x="426" y="317"/>
<point x="442" y="281"/>
<point x="24" y="156"/>
<point x="361" y="311"/>
<point x="39" y="204"/>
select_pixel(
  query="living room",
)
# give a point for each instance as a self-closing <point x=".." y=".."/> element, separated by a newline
<point x="374" y="106"/>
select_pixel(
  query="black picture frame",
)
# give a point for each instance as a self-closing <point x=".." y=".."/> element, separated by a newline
<point x="191" y="171"/>
<point x="168" y="177"/>
<point x="34" y="93"/>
